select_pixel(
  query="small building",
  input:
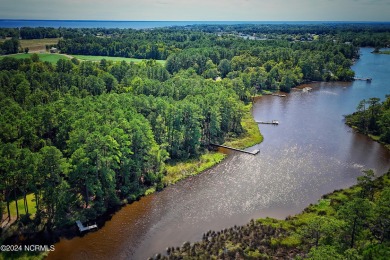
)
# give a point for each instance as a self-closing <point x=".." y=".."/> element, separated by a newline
<point x="53" y="50"/>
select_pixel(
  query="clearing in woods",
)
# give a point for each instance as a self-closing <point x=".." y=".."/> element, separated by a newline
<point x="37" y="45"/>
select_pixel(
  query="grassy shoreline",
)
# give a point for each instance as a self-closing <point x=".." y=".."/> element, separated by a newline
<point x="375" y="138"/>
<point x="184" y="169"/>
<point x="252" y="135"/>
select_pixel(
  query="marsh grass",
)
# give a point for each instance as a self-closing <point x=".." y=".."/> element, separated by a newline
<point x="184" y="169"/>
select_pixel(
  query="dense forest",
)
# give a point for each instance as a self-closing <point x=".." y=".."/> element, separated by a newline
<point x="347" y="224"/>
<point x="82" y="142"/>
<point x="85" y="137"/>
<point x="372" y="118"/>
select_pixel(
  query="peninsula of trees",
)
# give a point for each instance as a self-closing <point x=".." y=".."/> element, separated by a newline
<point x="372" y="118"/>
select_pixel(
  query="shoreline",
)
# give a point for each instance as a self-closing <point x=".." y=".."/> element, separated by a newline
<point x="181" y="170"/>
<point x="278" y="238"/>
<point x="372" y="137"/>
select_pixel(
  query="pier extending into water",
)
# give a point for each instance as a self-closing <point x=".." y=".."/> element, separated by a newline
<point x="364" y="79"/>
<point x="273" y="122"/>
<point x="238" y="150"/>
<point x="82" y="228"/>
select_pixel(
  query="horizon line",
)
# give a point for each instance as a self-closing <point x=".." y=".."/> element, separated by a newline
<point x="105" y="20"/>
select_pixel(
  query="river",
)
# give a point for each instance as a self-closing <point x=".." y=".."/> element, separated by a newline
<point x="310" y="153"/>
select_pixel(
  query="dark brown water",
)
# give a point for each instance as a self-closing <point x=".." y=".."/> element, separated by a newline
<point x="309" y="154"/>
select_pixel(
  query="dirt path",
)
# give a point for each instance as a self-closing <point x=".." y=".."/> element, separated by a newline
<point x="67" y="55"/>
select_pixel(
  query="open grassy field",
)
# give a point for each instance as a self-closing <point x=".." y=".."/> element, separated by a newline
<point x="115" y="59"/>
<point x="36" y="45"/>
<point x="50" y="57"/>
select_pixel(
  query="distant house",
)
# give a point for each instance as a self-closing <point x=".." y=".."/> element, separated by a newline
<point x="53" y="50"/>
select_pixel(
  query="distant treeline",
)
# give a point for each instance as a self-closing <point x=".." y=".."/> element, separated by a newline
<point x="277" y="29"/>
<point x="271" y="64"/>
<point x="282" y="57"/>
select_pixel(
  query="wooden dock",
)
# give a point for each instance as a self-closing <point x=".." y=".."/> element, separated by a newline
<point x="82" y="228"/>
<point x="238" y="150"/>
<point x="273" y="122"/>
<point x="363" y="79"/>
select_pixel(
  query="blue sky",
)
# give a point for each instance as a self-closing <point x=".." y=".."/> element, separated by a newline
<point x="191" y="10"/>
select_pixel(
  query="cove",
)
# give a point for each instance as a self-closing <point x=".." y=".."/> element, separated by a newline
<point x="310" y="153"/>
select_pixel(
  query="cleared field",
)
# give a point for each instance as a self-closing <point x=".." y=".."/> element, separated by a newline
<point x="36" y="45"/>
<point x="99" y="58"/>
<point x="52" y="58"/>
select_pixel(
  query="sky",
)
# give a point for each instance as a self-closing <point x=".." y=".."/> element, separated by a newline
<point x="197" y="10"/>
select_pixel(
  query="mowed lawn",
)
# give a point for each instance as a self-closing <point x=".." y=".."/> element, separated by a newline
<point x="50" y="57"/>
<point x="12" y="206"/>
<point x="109" y="58"/>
